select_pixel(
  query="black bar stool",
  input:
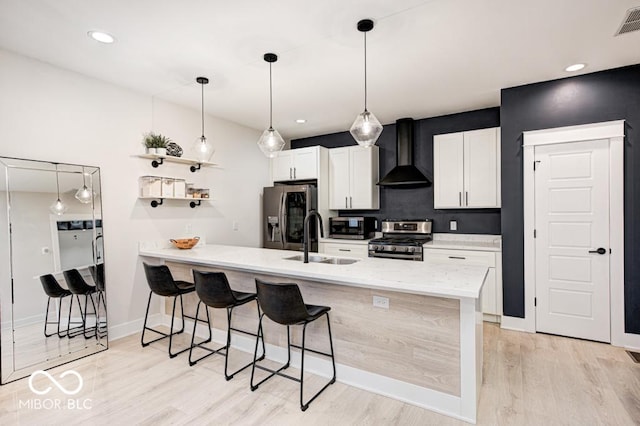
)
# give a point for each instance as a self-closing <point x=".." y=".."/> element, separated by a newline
<point x="283" y="304"/>
<point x="54" y="290"/>
<point x="79" y="287"/>
<point x="97" y="273"/>
<point x="214" y="291"/>
<point x="161" y="282"/>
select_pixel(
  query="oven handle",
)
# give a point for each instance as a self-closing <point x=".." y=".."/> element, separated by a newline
<point x="414" y="256"/>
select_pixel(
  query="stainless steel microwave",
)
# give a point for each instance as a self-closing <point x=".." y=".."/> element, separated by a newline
<point x="352" y="228"/>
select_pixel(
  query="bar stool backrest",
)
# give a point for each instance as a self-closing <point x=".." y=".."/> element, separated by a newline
<point x="160" y="280"/>
<point x="51" y="286"/>
<point x="213" y="289"/>
<point x="76" y="283"/>
<point x="281" y="302"/>
<point x="97" y="272"/>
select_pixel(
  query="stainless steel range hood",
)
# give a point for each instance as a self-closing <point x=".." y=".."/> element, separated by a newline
<point x="404" y="173"/>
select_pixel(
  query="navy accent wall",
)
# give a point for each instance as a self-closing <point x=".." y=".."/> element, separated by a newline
<point x="602" y="96"/>
<point x="417" y="203"/>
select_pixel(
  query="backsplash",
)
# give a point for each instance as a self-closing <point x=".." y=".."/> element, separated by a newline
<point x="417" y="203"/>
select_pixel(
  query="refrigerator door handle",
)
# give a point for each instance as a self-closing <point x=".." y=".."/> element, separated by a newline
<point x="283" y="219"/>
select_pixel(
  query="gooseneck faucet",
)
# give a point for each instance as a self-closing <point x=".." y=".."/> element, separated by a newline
<point x="306" y="241"/>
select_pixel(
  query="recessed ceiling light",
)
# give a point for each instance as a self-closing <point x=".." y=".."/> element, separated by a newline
<point x="101" y="37"/>
<point x="574" y="67"/>
<point x="301" y="121"/>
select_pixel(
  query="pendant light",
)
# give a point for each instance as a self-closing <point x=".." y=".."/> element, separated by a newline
<point x="366" y="128"/>
<point x="202" y="148"/>
<point x="84" y="194"/>
<point x="58" y="207"/>
<point x="270" y="142"/>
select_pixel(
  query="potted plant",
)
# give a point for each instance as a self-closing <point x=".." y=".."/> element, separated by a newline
<point x="155" y="143"/>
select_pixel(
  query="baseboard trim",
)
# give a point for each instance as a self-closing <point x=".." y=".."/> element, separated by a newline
<point x="132" y="327"/>
<point x="515" y="324"/>
<point x="429" y="399"/>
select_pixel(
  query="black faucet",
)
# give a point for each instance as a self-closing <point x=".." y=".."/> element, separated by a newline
<point x="306" y="241"/>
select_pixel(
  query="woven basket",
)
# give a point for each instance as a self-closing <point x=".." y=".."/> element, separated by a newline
<point x="185" y="243"/>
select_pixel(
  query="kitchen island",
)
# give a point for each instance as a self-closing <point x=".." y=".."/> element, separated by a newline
<point x="424" y="347"/>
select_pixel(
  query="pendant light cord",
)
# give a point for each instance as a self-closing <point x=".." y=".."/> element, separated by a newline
<point x="365" y="71"/>
<point x="84" y="183"/>
<point x="57" y="182"/>
<point x="270" y="98"/>
<point x="202" y="106"/>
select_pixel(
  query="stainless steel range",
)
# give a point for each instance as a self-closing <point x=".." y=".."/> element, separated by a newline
<point x="401" y="239"/>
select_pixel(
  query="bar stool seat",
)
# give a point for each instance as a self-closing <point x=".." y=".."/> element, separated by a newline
<point x="282" y="303"/>
<point x="54" y="290"/>
<point x="214" y="291"/>
<point x="161" y="283"/>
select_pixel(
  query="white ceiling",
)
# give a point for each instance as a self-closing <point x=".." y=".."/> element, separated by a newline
<point x="426" y="58"/>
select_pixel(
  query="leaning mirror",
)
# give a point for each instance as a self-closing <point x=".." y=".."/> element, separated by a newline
<point x="53" y="304"/>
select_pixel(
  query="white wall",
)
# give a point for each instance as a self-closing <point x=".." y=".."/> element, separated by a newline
<point x="47" y="113"/>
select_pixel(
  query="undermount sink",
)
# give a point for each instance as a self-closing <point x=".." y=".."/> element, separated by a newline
<point x="323" y="259"/>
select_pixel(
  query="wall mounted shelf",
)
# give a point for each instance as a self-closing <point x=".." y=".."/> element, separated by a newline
<point x="157" y="160"/>
<point x="158" y="201"/>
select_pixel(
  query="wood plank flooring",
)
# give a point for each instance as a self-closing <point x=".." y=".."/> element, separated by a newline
<point x="529" y="379"/>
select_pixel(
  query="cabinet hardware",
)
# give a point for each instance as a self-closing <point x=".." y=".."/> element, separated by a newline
<point x="346" y="203"/>
<point x="344" y="249"/>
<point x="350" y="202"/>
<point x="460" y="199"/>
<point x="466" y="198"/>
<point x="290" y="173"/>
<point x="457" y="257"/>
<point x="295" y="169"/>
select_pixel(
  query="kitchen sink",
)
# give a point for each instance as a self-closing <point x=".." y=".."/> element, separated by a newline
<point x="323" y="259"/>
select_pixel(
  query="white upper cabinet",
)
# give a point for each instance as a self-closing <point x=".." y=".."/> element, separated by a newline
<point x="353" y="174"/>
<point x="466" y="168"/>
<point x="295" y="164"/>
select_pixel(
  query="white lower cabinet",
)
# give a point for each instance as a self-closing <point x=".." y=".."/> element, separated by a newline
<point x="492" y="290"/>
<point x="344" y="249"/>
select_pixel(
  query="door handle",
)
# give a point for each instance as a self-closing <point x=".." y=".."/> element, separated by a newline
<point x="599" y="250"/>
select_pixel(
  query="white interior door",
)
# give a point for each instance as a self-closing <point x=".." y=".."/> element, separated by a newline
<point x="572" y="223"/>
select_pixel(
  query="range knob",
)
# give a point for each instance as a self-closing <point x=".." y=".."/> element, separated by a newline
<point x="392" y="248"/>
<point x="411" y="249"/>
<point x="401" y="248"/>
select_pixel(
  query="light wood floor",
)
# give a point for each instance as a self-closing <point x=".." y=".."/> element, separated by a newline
<point x="529" y="379"/>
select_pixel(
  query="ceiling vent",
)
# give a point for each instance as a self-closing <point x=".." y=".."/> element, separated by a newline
<point x="631" y="22"/>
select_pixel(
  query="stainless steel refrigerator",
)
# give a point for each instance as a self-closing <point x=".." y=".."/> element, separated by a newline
<point x="284" y="210"/>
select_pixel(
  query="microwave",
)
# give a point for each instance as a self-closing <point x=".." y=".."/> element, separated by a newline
<point x="352" y="228"/>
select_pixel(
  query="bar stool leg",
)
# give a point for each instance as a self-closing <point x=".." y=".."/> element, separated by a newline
<point x="144" y="326"/>
<point x="228" y="376"/>
<point x="303" y="405"/>
<point x="193" y="362"/>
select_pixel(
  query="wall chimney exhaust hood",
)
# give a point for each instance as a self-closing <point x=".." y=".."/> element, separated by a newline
<point x="404" y="174"/>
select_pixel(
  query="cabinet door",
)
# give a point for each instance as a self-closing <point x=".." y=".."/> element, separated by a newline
<point x="448" y="170"/>
<point x="481" y="169"/>
<point x="281" y="166"/>
<point x="339" y="185"/>
<point x="363" y="176"/>
<point x="489" y="297"/>
<point x="305" y="163"/>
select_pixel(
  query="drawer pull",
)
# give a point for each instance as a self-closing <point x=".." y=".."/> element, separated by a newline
<point x="457" y="257"/>
<point x="344" y="250"/>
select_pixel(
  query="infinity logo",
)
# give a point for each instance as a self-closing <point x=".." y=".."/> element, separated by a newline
<point x="55" y="382"/>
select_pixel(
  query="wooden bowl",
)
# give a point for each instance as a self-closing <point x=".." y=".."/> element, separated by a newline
<point x="185" y="243"/>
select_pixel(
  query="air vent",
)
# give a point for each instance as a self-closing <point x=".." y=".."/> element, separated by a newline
<point x="631" y="22"/>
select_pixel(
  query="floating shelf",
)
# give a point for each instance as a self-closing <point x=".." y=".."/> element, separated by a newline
<point x="157" y="160"/>
<point x="158" y="201"/>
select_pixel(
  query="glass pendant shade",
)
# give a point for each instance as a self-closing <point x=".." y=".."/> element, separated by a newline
<point x="58" y="207"/>
<point x="202" y="149"/>
<point x="270" y="142"/>
<point x="366" y="129"/>
<point x="84" y="195"/>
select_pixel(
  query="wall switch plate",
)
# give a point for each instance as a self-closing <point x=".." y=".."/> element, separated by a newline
<point x="381" y="302"/>
<point x="453" y="225"/>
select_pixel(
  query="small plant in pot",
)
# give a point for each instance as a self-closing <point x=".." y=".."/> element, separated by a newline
<point x="155" y="143"/>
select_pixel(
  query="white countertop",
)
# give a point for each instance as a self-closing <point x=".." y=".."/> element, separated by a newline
<point x="433" y="279"/>
<point x="465" y="242"/>
<point x="344" y="241"/>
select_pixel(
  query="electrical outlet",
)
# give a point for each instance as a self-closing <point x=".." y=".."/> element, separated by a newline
<point x="381" y="302"/>
<point x="453" y="225"/>
<point x="235" y="225"/>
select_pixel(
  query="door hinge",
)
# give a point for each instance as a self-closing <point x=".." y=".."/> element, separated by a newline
<point x="535" y="301"/>
<point x="535" y="234"/>
<point x="535" y="164"/>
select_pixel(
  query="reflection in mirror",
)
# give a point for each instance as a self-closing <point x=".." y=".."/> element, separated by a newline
<point x="52" y="286"/>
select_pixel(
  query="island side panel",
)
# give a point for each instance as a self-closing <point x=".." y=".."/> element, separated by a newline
<point x="416" y="340"/>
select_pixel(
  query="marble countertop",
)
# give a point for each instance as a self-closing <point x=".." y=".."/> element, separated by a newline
<point x="426" y="278"/>
<point x="344" y="241"/>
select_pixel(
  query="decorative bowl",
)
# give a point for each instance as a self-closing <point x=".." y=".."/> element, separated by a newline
<point x="185" y="243"/>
